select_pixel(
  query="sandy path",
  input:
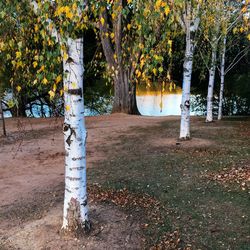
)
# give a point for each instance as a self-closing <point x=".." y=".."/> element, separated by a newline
<point x="32" y="157"/>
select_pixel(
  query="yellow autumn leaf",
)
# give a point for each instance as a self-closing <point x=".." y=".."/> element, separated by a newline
<point x="36" y="28"/>
<point x="155" y="71"/>
<point x="129" y="26"/>
<point x="51" y="94"/>
<point x="54" y="87"/>
<point x="141" y="46"/>
<point x="74" y="6"/>
<point x="18" y="88"/>
<point x="167" y="10"/>
<point x="102" y="21"/>
<point x="35" y="64"/>
<point x="18" y="54"/>
<point x="69" y="15"/>
<point x="45" y="81"/>
<point x="158" y="4"/>
<point x="138" y="73"/>
<point x="65" y="56"/>
<point x="248" y="37"/>
<point x="41" y="69"/>
<point x="67" y="108"/>
<point x="58" y="79"/>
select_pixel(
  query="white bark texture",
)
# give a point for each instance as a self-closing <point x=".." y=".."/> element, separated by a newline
<point x="2" y="118"/>
<point x="210" y="92"/>
<point x="185" y="103"/>
<point x="190" y="27"/>
<point x="222" y="77"/>
<point x="75" y="200"/>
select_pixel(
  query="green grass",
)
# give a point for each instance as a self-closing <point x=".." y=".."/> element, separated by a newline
<point x="207" y="214"/>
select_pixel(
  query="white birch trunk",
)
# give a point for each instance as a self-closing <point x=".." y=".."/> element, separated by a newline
<point x="185" y="103"/>
<point x="210" y="92"/>
<point x="2" y="117"/>
<point x="75" y="216"/>
<point x="187" y="74"/>
<point x="222" y="77"/>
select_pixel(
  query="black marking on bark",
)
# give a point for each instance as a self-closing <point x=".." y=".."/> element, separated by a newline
<point x="70" y="60"/>
<point x="73" y="178"/>
<point x="187" y="104"/>
<point x="77" y="158"/>
<point x="76" y="168"/>
<point x="78" y="100"/>
<point x="75" y="92"/>
<point x="66" y="189"/>
<point x="85" y="203"/>
<point x="67" y="127"/>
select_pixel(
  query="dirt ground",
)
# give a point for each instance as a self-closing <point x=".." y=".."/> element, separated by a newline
<point x="31" y="184"/>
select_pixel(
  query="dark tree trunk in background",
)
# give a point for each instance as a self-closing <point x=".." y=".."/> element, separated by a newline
<point x="124" y="95"/>
<point x="124" y="88"/>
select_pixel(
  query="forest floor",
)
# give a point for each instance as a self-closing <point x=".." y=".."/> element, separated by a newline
<point x="146" y="188"/>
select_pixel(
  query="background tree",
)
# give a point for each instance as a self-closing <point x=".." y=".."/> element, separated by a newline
<point x="24" y="51"/>
<point x="236" y="17"/>
<point x="128" y="32"/>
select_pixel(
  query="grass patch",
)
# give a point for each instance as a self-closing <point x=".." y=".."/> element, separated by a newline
<point x="207" y="214"/>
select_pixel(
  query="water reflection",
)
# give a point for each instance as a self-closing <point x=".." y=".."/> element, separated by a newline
<point x="159" y="99"/>
<point x="159" y="105"/>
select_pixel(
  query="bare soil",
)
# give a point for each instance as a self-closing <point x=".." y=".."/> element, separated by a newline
<point x="146" y="188"/>
<point x="31" y="184"/>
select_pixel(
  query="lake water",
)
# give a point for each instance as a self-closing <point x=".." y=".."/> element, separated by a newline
<point x="159" y="105"/>
<point x="159" y="100"/>
<point x="150" y="103"/>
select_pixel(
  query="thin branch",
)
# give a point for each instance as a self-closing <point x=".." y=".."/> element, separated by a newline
<point x="203" y="59"/>
<point x="245" y="51"/>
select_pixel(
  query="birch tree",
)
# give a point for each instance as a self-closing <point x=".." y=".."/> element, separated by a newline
<point x="190" y="21"/>
<point x="213" y="12"/>
<point x="2" y="116"/>
<point x="65" y="21"/>
<point x="238" y="17"/>
<point x="221" y="17"/>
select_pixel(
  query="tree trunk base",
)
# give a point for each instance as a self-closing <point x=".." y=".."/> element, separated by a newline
<point x="187" y="138"/>
<point x="79" y="230"/>
<point x="209" y="121"/>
